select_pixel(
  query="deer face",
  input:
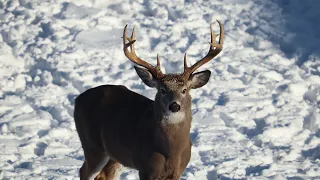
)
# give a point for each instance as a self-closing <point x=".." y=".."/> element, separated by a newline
<point x="173" y="99"/>
<point x="173" y="89"/>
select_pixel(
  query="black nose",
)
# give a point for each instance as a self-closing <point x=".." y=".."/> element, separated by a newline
<point x="174" y="107"/>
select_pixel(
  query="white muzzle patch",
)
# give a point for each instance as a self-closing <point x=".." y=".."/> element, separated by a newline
<point x="173" y="118"/>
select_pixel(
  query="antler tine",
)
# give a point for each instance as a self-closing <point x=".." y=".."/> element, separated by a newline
<point x="221" y="38"/>
<point x="185" y="62"/>
<point x="214" y="50"/>
<point x="132" y="56"/>
<point x="158" y="63"/>
<point x="132" y="38"/>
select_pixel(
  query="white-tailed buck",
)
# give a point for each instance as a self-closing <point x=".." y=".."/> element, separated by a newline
<point x="119" y="127"/>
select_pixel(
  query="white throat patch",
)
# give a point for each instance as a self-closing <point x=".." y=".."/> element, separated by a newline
<point x="173" y="118"/>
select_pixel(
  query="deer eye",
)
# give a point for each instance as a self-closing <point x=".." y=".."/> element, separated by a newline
<point x="163" y="92"/>
<point x="184" y="91"/>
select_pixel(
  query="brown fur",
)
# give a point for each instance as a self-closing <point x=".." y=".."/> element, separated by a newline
<point x="127" y="127"/>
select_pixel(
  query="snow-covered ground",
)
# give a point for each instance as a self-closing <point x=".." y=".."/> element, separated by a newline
<point x="257" y="118"/>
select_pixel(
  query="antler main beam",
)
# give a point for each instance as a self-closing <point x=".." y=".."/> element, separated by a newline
<point x="132" y="56"/>
<point x="214" y="50"/>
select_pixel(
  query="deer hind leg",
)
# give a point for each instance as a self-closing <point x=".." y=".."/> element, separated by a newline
<point x="92" y="165"/>
<point x="111" y="171"/>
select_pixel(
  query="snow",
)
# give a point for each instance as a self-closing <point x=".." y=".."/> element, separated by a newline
<point x="257" y="118"/>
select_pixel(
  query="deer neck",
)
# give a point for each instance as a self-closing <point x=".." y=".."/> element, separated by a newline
<point x="172" y="131"/>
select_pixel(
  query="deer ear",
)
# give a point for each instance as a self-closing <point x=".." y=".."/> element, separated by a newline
<point x="199" y="79"/>
<point x="146" y="76"/>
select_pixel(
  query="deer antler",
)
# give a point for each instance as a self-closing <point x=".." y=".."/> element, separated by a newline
<point x="211" y="54"/>
<point x="155" y="71"/>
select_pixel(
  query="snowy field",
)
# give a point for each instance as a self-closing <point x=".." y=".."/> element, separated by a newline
<point x="257" y="118"/>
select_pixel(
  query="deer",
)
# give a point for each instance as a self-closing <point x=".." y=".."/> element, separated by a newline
<point x="121" y="128"/>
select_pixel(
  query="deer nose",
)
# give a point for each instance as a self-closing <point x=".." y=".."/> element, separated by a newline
<point x="174" y="107"/>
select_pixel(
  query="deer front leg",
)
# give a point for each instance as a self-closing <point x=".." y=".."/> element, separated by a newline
<point x="146" y="176"/>
<point x="185" y="158"/>
<point x="154" y="168"/>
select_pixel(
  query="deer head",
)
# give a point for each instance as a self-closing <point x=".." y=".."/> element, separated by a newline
<point x="173" y="96"/>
